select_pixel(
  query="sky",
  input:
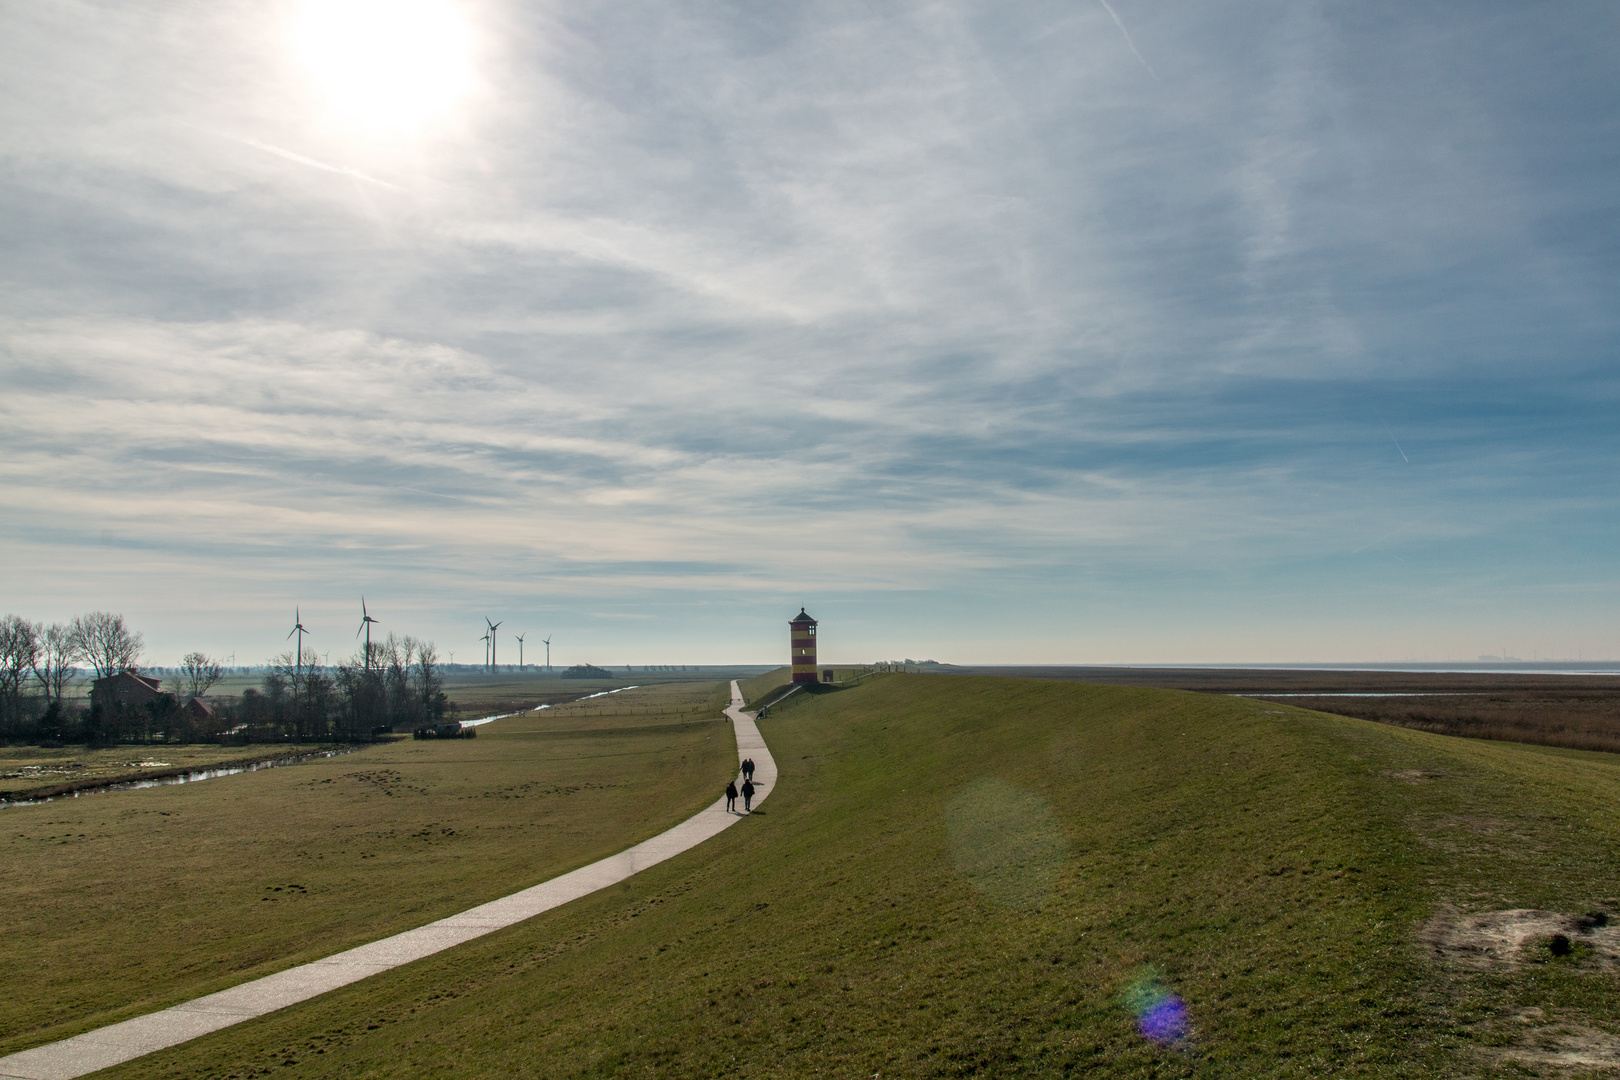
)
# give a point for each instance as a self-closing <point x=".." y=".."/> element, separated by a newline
<point x="1031" y="332"/>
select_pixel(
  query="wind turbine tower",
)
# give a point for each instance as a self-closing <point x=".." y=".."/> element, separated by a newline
<point x="520" y="652"/>
<point x="298" y="663"/>
<point x="493" y="626"/>
<point x="365" y="624"/>
<point x="548" y="653"/>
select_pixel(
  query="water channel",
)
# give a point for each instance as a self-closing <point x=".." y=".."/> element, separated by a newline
<point x="246" y="767"/>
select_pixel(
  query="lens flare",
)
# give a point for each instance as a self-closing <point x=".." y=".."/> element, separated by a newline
<point x="1160" y="1015"/>
<point x="1006" y="842"/>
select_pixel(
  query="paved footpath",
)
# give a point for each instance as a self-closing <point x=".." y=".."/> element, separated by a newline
<point x="117" y="1043"/>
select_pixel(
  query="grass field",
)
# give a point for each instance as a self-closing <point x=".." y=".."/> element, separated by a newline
<point x="994" y="877"/>
<point x="477" y="692"/>
<point x="120" y="903"/>
<point x="31" y="771"/>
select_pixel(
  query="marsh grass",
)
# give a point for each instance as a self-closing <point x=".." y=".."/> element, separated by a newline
<point x="1568" y="717"/>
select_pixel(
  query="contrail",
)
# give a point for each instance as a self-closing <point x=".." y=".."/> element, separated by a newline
<point x="312" y="163"/>
<point x="1391" y="435"/>
<point x="1386" y="536"/>
<point x="1119" y="23"/>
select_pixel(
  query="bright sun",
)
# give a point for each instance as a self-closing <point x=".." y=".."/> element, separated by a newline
<point x="387" y="64"/>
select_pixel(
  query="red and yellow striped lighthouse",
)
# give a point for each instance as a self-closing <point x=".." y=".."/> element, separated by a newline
<point x="802" y="632"/>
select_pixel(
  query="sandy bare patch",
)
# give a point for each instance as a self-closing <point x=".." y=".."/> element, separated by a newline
<point x="1488" y="938"/>
<point x="1566" y="1045"/>
<point x="1413" y="776"/>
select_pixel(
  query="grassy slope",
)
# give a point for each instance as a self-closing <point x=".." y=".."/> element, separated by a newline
<point x="120" y="903"/>
<point x="762" y="688"/>
<point x="1272" y="864"/>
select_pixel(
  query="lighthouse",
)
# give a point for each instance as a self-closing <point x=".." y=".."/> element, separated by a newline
<point x="802" y="633"/>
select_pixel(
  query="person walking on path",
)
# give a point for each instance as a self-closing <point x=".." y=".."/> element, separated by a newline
<point x="748" y="796"/>
<point x="731" y="797"/>
<point x="748" y="768"/>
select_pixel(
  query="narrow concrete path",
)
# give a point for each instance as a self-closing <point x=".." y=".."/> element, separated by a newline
<point x="117" y="1043"/>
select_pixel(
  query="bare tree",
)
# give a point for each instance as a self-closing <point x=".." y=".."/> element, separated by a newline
<point x="200" y="673"/>
<point x="399" y="654"/>
<point x="53" y="665"/>
<point x="429" y="681"/>
<point x="105" y="643"/>
<point x="19" y="649"/>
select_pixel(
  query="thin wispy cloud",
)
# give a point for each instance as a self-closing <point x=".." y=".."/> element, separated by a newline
<point x="1127" y="35"/>
<point x="926" y="313"/>
<point x="288" y="155"/>
<point x="1396" y="441"/>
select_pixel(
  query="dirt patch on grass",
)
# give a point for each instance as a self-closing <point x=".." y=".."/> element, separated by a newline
<point x="1413" y="776"/>
<point x="1490" y="938"/>
<point x="1566" y="1046"/>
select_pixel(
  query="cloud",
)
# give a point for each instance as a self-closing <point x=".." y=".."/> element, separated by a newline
<point x="937" y="301"/>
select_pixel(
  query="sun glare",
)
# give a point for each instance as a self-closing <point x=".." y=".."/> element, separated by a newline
<point x="387" y="64"/>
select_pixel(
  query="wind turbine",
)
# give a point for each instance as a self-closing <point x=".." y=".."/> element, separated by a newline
<point x="520" y="652"/>
<point x="548" y="654"/>
<point x="493" y="626"/>
<point x="298" y="664"/>
<point x="365" y="624"/>
<point x="485" y="640"/>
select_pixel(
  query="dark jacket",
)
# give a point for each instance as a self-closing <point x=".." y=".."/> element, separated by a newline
<point x="748" y="789"/>
<point x="731" y="791"/>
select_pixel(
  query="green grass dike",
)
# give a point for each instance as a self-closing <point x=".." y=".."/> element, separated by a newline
<point x="1003" y="877"/>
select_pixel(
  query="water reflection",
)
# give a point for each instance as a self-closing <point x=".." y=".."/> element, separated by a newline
<point x="183" y="778"/>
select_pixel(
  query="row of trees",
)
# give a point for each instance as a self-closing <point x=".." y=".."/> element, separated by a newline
<point x="398" y="685"/>
<point x="394" y="683"/>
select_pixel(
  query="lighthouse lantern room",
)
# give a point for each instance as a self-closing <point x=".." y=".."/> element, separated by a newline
<point x="802" y="633"/>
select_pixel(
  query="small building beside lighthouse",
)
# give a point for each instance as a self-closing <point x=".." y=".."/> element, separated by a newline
<point x="802" y="633"/>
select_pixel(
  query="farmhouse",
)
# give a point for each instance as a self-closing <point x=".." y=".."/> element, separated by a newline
<point x="126" y="690"/>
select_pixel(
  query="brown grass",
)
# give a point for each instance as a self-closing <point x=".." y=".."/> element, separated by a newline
<point x="1578" y="712"/>
<point x="1576" y="719"/>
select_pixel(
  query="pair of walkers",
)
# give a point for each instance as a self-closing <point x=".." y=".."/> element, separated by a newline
<point x="747" y="792"/>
